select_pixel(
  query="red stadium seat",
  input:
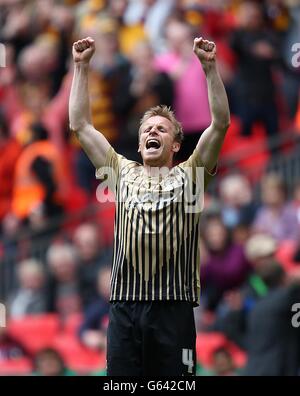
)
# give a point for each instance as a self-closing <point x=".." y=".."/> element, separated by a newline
<point x="252" y="151"/>
<point x="285" y="253"/>
<point x="22" y="366"/>
<point x="72" y="323"/>
<point x="78" y="357"/>
<point x="106" y="217"/>
<point x="297" y="119"/>
<point x="77" y="200"/>
<point x="35" y="331"/>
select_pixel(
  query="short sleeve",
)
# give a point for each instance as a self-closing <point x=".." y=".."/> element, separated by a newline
<point x="110" y="171"/>
<point x="194" y="162"/>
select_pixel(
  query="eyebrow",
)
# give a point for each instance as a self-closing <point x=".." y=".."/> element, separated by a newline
<point x="151" y="125"/>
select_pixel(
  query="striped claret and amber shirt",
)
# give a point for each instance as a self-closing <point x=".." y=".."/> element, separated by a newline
<point x="156" y="248"/>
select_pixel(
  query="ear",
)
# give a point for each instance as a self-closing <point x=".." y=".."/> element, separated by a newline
<point x="139" y="148"/>
<point x="176" y="147"/>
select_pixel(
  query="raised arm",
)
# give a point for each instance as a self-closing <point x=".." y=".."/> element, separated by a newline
<point x="92" y="141"/>
<point x="210" y="142"/>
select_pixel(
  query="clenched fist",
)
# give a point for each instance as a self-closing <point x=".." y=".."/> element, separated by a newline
<point x="205" y="50"/>
<point x="83" y="50"/>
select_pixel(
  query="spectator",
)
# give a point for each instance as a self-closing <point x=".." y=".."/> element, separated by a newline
<point x="49" y="363"/>
<point x="273" y="344"/>
<point x="276" y="217"/>
<point x="232" y="312"/>
<point x="226" y="265"/>
<point x="260" y="249"/>
<point x="142" y="87"/>
<point x="9" y="246"/>
<point x="91" y="257"/>
<point x="182" y="66"/>
<point x="63" y="285"/>
<point x="39" y="178"/>
<point x="10" y="151"/>
<point x="153" y="14"/>
<point x="223" y="364"/>
<point x="107" y="68"/>
<point x="39" y="55"/>
<point x="237" y="202"/>
<point x="257" y="51"/>
<point x="16" y="27"/>
<point x="29" y="298"/>
<point x="10" y="348"/>
<point x="290" y="36"/>
<point x="129" y="34"/>
<point x="296" y="201"/>
<point x="92" y="332"/>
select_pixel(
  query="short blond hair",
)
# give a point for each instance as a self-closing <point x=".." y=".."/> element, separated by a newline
<point x="166" y="112"/>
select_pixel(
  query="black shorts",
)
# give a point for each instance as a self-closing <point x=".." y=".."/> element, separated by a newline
<point x="151" y="338"/>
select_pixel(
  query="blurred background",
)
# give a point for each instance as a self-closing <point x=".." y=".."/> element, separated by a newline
<point x="56" y="238"/>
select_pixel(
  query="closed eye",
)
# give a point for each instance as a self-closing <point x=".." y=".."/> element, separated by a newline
<point x="160" y="128"/>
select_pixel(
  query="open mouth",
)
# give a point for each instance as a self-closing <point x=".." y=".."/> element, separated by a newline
<point x="153" y="144"/>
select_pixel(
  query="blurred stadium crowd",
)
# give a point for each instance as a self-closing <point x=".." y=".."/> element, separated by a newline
<point x="56" y="238"/>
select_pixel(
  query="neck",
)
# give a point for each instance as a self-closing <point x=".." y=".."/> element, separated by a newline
<point x="157" y="170"/>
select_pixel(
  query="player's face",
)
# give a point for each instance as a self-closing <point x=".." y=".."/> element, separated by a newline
<point x="157" y="141"/>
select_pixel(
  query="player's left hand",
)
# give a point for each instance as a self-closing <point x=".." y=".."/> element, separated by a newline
<point x="205" y="50"/>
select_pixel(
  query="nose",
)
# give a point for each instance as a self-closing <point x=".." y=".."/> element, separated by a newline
<point x="153" y="131"/>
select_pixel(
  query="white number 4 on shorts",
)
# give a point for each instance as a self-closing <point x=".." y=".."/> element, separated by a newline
<point x="187" y="359"/>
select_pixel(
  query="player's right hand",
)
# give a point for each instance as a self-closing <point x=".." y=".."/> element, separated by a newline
<point x="83" y="50"/>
